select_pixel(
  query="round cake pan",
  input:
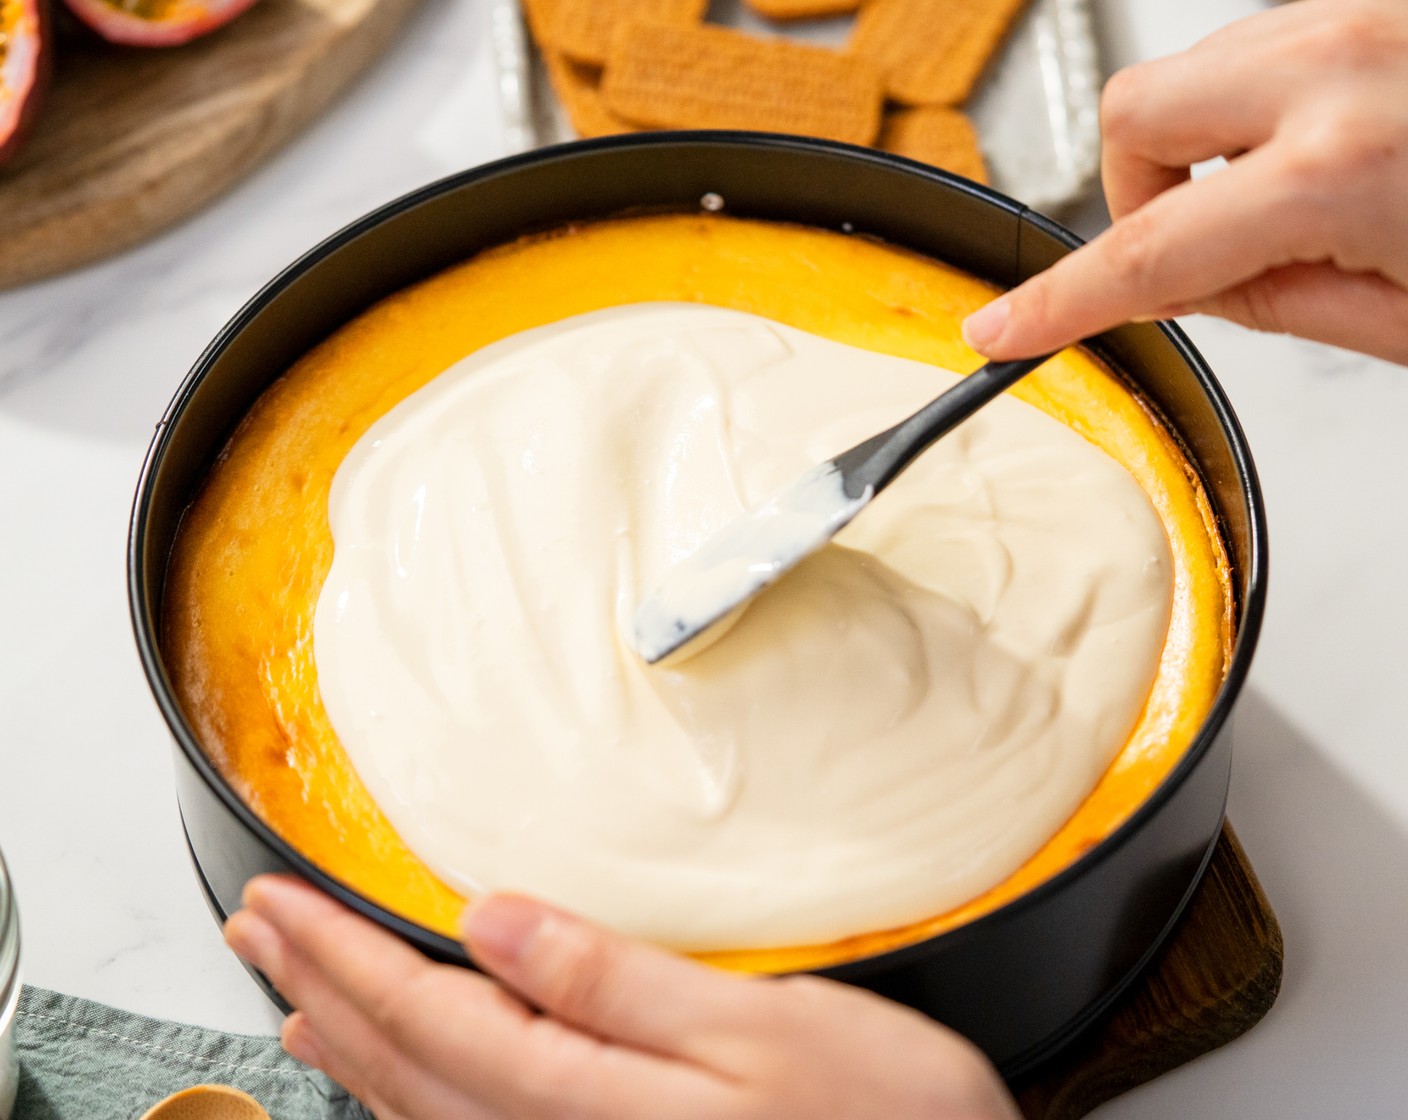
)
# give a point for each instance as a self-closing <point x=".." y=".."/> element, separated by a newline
<point x="1020" y="981"/>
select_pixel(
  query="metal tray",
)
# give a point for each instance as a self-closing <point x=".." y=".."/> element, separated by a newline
<point x="1037" y="108"/>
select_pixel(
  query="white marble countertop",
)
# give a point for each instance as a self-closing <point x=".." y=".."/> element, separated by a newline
<point x="87" y="811"/>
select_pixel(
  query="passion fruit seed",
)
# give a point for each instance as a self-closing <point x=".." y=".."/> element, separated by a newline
<point x="146" y="9"/>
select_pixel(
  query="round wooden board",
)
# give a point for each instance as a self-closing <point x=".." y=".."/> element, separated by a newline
<point x="133" y="140"/>
<point x="1214" y="979"/>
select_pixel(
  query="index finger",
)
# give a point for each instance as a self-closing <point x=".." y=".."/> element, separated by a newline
<point x="1184" y="246"/>
<point x="610" y="984"/>
<point x="457" y="1024"/>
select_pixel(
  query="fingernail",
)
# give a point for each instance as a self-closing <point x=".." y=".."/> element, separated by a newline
<point x="254" y="940"/>
<point x="985" y="326"/>
<point x="270" y="895"/>
<point x="300" y="1040"/>
<point x="502" y="926"/>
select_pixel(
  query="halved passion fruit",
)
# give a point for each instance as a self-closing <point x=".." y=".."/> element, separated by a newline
<point x="155" y="23"/>
<point x="24" y="69"/>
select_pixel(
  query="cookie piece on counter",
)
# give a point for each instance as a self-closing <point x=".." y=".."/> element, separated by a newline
<point x="932" y="52"/>
<point x="672" y="76"/>
<point x="938" y="135"/>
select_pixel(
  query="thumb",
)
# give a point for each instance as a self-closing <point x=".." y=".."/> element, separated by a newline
<point x="603" y="982"/>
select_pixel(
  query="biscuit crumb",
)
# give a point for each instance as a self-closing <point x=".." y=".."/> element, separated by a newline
<point x="802" y="9"/>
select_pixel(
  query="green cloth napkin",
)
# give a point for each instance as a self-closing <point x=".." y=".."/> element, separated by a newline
<point x="81" y="1060"/>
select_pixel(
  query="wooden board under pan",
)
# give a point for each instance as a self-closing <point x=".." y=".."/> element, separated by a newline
<point x="1216" y="978"/>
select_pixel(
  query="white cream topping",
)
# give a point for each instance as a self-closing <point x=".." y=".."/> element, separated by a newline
<point x="891" y="729"/>
<point x="747" y="554"/>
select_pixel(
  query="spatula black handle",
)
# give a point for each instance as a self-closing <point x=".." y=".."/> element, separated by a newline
<point x="877" y="461"/>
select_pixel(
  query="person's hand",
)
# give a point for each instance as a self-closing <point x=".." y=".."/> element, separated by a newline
<point x="621" y="1031"/>
<point x="1304" y="232"/>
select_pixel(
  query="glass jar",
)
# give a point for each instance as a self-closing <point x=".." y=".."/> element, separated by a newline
<point x="9" y="992"/>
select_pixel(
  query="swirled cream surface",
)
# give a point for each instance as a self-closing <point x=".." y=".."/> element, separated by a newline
<point x="888" y="731"/>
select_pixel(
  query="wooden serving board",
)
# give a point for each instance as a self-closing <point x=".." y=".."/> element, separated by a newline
<point x="1215" y="979"/>
<point x="132" y="140"/>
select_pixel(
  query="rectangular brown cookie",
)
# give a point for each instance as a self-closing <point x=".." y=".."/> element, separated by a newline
<point x="583" y="29"/>
<point x="932" y="52"/>
<point x="673" y="76"/>
<point x="938" y="135"/>
<point x="578" y="87"/>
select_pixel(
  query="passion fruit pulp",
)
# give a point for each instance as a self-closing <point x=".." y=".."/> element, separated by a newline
<point x="24" y="69"/>
<point x="155" y="23"/>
